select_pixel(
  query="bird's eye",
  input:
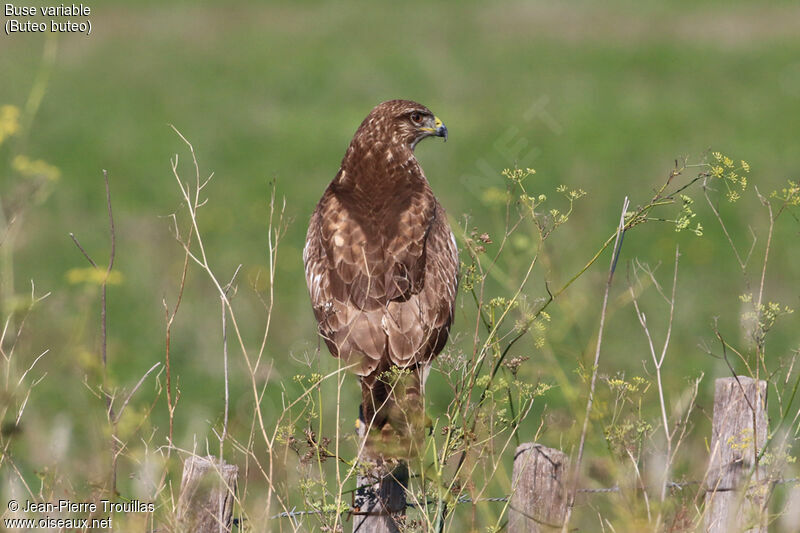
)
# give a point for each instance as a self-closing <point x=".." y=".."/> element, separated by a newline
<point x="416" y="117"/>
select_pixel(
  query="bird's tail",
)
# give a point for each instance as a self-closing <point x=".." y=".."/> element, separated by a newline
<point x="393" y="411"/>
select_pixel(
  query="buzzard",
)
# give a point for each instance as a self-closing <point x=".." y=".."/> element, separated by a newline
<point x="381" y="265"/>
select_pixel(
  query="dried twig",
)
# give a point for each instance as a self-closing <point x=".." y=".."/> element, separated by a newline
<point x="104" y="326"/>
<point x="590" y="400"/>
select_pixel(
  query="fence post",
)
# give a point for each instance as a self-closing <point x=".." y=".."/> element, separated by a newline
<point x="380" y="498"/>
<point x="205" y="504"/>
<point x="736" y="492"/>
<point x="539" y="496"/>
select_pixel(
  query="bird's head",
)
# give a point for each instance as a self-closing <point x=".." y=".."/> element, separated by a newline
<point x="403" y="122"/>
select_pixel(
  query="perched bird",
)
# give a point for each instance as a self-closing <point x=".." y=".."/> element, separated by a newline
<point x="381" y="265"/>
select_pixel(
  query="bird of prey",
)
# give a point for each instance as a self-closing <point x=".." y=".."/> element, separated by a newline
<point x="381" y="265"/>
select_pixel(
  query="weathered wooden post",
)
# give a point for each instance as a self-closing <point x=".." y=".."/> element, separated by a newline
<point x="205" y="504"/>
<point x="380" y="499"/>
<point x="539" y="497"/>
<point x="736" y="490"/>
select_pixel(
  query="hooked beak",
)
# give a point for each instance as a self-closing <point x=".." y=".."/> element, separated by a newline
<point x="440" y="129"/>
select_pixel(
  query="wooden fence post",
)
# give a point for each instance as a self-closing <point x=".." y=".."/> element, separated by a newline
<point x="380" y="500"/>
<point x="380" y="497"/>
<point x="539" y="497"/>
<point x="205" y="504"/>
<point x="736" y="491"/>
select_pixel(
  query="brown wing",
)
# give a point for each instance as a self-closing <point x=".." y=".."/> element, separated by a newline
<point x="338" y="274"/>
<point x="417" y="327"/>
<point x="383" y="288"/>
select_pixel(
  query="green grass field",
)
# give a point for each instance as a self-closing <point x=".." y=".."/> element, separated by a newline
<point x="602" y="98"/>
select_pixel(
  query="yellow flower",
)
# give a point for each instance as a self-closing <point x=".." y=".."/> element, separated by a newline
<point x="94" y="276"/>
<point x="35" y="167"/>
<point x="745" y="166"/>
<point x="9" y="121"/>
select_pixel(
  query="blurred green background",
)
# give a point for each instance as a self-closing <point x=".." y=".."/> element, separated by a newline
<point x="601" y="97"/>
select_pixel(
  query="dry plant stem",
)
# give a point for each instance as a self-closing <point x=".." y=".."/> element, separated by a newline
<point x="8" y="355"/>
<point x="742" y="262"/>
<point x="224" y="435"/>
<point x="760" y="341"/>
<point x="658" y="361"/>
<point x="274" y="235"/>
<point x="133" y="391"/>
<point x="339" y="481"/>
<point x="170" y="318"/>
<point x="193" y="202"/>
<point x="112" y="419"/>
<point x="590" y="400"/>
<point x="172" y="402"/>
<point x="770" y="231"/>
<point x="117" y="446"/>
<point x="642" y="486"/>
<point x="225" y="360"/>
<point x="108" y="270"/>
